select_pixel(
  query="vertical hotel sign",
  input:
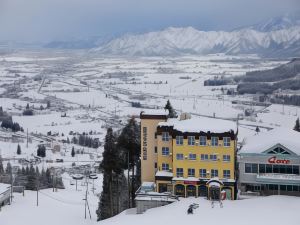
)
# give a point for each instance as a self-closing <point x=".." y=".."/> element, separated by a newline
<point x="144" y="146"/>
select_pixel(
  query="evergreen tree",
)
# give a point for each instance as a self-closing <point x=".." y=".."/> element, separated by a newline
<point x="43" y="180"/>
<point x="297" y="125"/>
<point x="41" y="151"/>
<point x="19" y="150"/>
<point x="23" y="171"/>
<point x="172" y="112"/>
<point x="111" y="167"/>
<point x="130" y="144"/>
<point x="31" y="179"/>
<point x="1" y="111"/>
<point x="27" y="170"/>
<point x="48" y="104"/>
<point x="1" y="166"/>
<point x="48" y="178"/>
<point x="8" y="169"/>
<point x="27" y="106"/>
<point x="73" y="152"/>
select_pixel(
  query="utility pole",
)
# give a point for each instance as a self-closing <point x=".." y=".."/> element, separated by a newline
<point x="37" y="191"/>
<point x="128" y="180"/>
<point x="86" y="205"/>
<point x="11" y="189"/>
<point x="27" y="139"/>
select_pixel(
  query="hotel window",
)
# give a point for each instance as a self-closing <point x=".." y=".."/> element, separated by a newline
<point x="226" y="158"/>
<point x="214" y="141"/>
<point x="204" y="157"/>
<point x="269" y="168"/>
<point x="262" y="168"/>
<point x="213" y="157"/>
<point x="226" y="174"/>
<point x="202" y="141"/>
<point x="179" y="140"/>
<point x="191" y="172"/>
<point x="165" y="151"/>
<point x="192" y="156"/>
<point x="179" y="156"/>
<point x="191" y="140"/>
<point x="165" y="136"/>
<point x="155" y="165"/>
<point x="165" y="167"/>
<point x="226" y="141"/>
<point x="295" y="169"/>
<point x="179" y="172"/>
<point x="214" y="173"/>
<point x="202" y="173"/>
<point x="155" y="149"/>
<point x="251" y="168"/>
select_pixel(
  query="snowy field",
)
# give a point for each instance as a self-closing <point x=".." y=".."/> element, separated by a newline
<point x="62" y="207"/>
<point x="95" y="93"/>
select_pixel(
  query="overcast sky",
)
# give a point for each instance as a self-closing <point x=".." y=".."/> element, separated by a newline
<point x="46" y="20"/>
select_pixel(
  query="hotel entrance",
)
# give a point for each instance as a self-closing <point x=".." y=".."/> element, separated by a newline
<point x="191" y="191"/>
<point x="180" y="190"/>
<point x="202" y="191"/>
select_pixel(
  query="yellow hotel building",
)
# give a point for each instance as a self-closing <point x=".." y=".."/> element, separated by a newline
<point x="180" y="155"/>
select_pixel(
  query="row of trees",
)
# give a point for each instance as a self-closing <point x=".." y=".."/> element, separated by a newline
<point x="30" y="177"/>
<point x="85" y="140"/>
<point x="297" y="125"/>
<point x="9" y="124"/>
<point x="286" y="99"/>
<point x="122" y="152"/>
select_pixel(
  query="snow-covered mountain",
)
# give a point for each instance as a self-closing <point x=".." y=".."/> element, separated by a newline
<point x="177" y="41"/>
<point x="278" y="23"/>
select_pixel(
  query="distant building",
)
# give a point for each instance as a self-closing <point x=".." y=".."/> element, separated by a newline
<point x="181" y="155"/>
<point x="269" y="163"/>
<point x="56" y="147"/>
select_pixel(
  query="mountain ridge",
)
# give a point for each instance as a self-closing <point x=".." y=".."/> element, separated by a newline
<point x="188" y="40"/>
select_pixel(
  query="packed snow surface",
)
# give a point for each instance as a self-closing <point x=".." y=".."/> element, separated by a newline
<point x="273" y="210"/>
<point x="67" y="207"/>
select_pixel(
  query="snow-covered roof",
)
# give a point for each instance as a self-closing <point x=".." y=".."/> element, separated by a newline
<point x="3" y="187"/>
<point x="164" y="174"/>
<point x="263" y="141"/>
<point x="155" y="112"/>
<point x="197" y="124"/>
<point x="148" y="184"/>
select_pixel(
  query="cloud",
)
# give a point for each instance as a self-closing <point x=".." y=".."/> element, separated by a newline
<point x="44" y="20"/>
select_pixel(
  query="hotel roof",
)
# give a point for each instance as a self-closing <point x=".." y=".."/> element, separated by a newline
<point x="198" y="124"/>
<point x="161" y="112"/>
<point x="263" y="141"/>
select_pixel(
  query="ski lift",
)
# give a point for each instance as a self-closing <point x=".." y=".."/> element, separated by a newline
<point x="93" y="176"/>
<point x="77" y="177"/>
